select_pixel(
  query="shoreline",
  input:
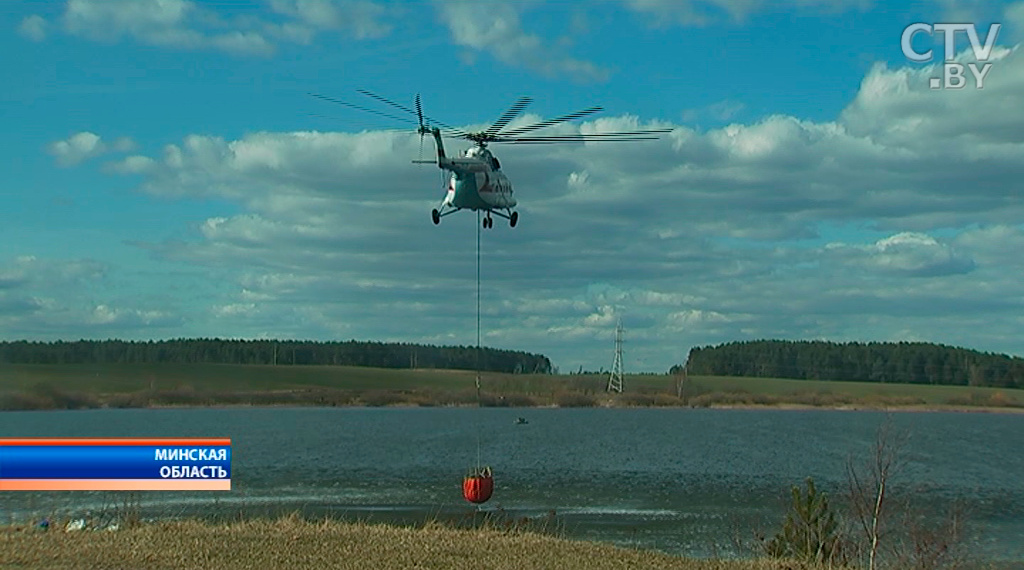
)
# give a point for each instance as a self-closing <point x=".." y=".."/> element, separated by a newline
<point x="926" y="408"/>
<point x="781" y="406"/>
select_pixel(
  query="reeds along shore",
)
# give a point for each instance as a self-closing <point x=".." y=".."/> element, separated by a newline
<point x="291" y="542"/>
<point x="51" y="398"/>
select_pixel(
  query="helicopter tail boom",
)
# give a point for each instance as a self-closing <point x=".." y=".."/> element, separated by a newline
<point x="458" y="165"/>
<point x="440" y="145"/>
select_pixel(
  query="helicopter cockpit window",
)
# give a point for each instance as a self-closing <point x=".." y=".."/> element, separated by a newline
<point x="495" y="163"/>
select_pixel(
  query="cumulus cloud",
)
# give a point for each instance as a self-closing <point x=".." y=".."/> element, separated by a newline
<point x="34" y="27"/>
<point x="135" y="164"/>
<point x="700" y="237"/>
<point x="168" y="23"/>
<point x="187" y="24"/>
<point x="362" y="19"/>
<point x="105" y="316"/>
<point x="907" y="253"/>
<point x="85" y="145"/>
<point x="707" y="12"/>
<point x="996" y="245"/>
<point x="28" y="269"/>
<point x="496" y="28"/>
<point x="58" y="299"/>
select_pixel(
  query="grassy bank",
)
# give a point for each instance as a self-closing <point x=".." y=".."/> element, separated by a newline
<point x="290" y="543"/>
<point x="149" y="385"/>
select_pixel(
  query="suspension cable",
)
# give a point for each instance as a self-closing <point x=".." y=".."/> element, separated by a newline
<point x="479" y="224"/>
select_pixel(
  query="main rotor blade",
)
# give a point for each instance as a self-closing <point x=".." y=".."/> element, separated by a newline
<point x="555" y="121"/>
<point x="620" y="136"/>
<point x="579" y="136"/>
<point x="447" y="131"/>
<point x="404" y="108"/>
<point x="352" y="125"/>
<point x="559" y="141"/>
<point x="364" y="109"/>
<point x="508" y="115"/>
<point x="419" y="110"/>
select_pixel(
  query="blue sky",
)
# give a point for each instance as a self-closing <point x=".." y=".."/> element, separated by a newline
<point x="166" y="178"/>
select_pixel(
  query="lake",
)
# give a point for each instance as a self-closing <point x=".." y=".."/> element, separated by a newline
<point x="680" y="480"/>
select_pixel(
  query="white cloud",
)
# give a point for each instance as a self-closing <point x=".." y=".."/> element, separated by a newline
<point x="107" y="316"/>
<point x="707" y="12"/>
<point x="76" y="148"/>
<point x="28" y="270"/>
<point x="698" y="238"/>
<point x="187" y="24"/>
<point x="48" y="298"/>
<point x="994" y="246"/>
<point x="135" y="164"/>
<point x="85" y="145"/>
<point x="157" y="21"/>
<point x="167" y="23"/>
<point x="495" y="27"/>
<point x="907" y="253"/>
<point x="34" y="27"/>
<point x="605" y="316"/>
<point x="362" y="19"/>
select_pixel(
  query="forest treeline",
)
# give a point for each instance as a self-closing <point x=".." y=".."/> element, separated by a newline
<point x="895" y="362"/>
<point x="280" y="352"/>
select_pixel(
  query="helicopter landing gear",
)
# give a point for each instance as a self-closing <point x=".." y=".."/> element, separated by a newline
<point x="512" y="217"/>
<point x="445" y="210"/>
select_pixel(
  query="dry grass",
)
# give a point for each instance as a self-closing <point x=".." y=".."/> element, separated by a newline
<point x="291" y="542"/>
<point x="42" y="387"/>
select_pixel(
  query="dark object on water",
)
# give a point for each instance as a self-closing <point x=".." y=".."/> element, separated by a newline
<point x="44" y="524"/>
<point x="478" y="486"/>
<point x="520" y="421"/>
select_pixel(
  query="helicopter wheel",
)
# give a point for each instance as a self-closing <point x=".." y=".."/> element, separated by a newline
<point x="436" y="216"/>
<point x="513" y="219"/>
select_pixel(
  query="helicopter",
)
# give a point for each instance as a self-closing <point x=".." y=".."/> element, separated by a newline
<point x="477" y="181"/>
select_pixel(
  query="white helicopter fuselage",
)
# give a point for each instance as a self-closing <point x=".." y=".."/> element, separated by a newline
<point x="476" y="186"/>
<point x="476" y="183"/>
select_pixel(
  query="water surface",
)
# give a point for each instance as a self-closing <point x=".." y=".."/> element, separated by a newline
<point x="679" y="480"/>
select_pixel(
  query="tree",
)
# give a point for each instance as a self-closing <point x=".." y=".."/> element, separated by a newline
<point x="811" y="531"/>
<point x="869" y="485"/>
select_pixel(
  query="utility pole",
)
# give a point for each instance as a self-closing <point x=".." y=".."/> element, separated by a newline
<point x="615" y="379"/>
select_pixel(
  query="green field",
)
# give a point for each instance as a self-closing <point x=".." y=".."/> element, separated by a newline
<point x="140" y="385"/>
<point x="120" y="378"/>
